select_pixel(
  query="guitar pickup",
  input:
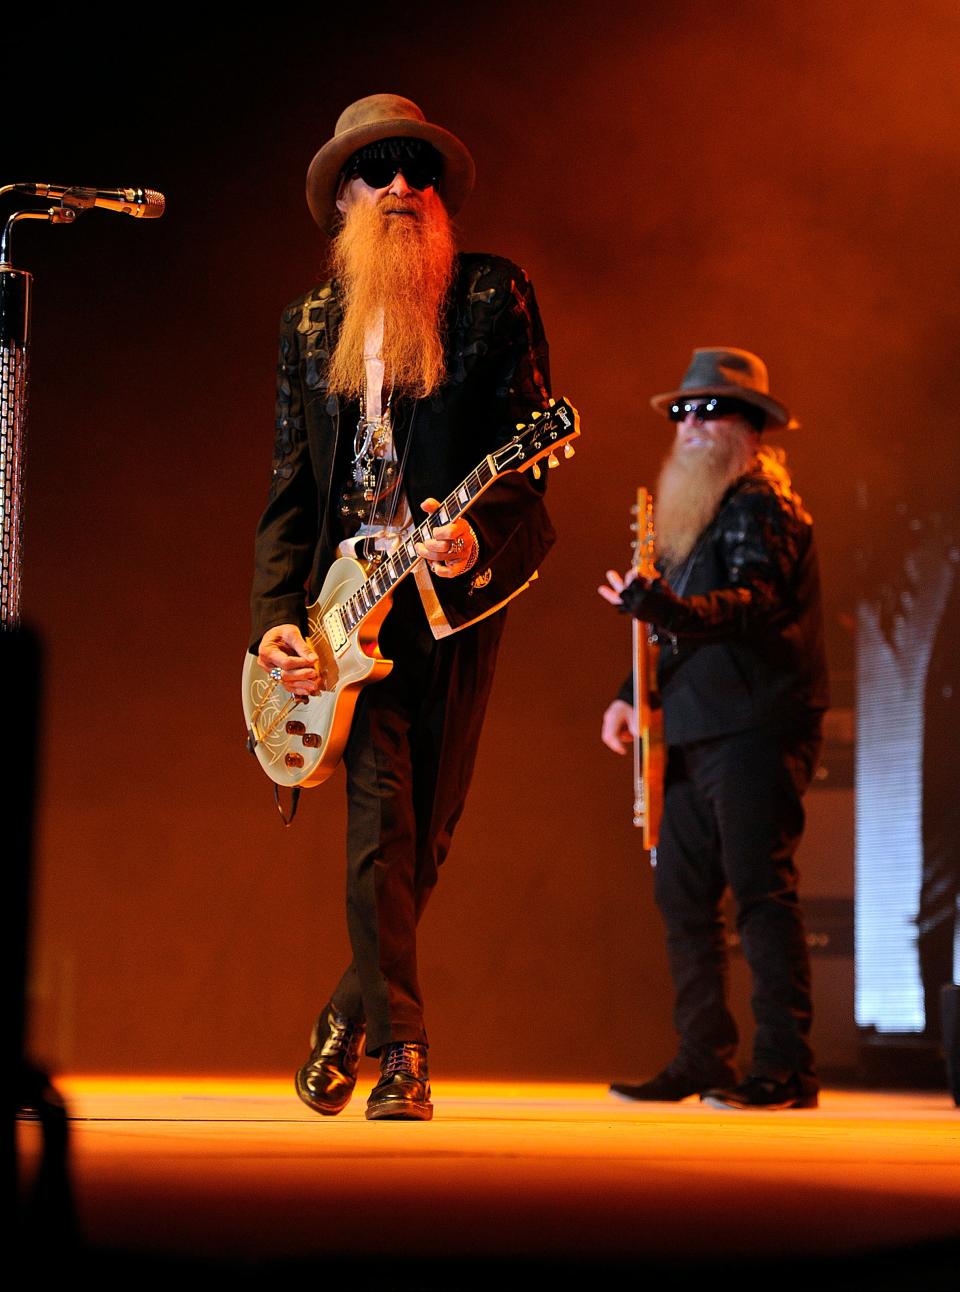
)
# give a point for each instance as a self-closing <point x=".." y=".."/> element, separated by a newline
<point x="333" y="628"/>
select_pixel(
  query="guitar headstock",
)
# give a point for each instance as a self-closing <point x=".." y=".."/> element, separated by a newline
<point x="643" y="550"/>
<point x="555" y="428"/>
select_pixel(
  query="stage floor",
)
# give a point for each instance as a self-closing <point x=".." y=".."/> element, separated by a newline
<point x="238" y="1171"/>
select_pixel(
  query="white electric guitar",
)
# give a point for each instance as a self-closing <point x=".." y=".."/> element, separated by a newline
<point x="299" y="739"/>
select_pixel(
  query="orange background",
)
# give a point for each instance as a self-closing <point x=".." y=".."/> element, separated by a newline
<point x="779" y="177"/>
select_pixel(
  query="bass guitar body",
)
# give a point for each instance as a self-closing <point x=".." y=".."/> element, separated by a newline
<point x="649" y="749"/>
<point x="299" y="739"/>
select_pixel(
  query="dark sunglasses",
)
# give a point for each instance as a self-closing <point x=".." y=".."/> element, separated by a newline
<point x="706" y="410"/>
<point x="380" y="172"/>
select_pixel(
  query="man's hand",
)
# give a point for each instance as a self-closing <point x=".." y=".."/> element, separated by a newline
<point x="618" y="728"/>
<point x="284" y="648"/>
<point x="615" y="584"/>
<point x="452" y="549"/>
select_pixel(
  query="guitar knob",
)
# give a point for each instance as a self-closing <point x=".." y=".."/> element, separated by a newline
<point x="569" y="451"/>
<point x="311" y="740"/>
<point x="293" y="760"/>
<point x="295" y="728"/>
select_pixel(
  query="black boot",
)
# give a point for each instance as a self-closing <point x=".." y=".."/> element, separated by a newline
<point x="403" y="1091"/>
<point x="326" y="1080"/>
<point x="771" y="1093"/>
<point x="677" y="1081"/>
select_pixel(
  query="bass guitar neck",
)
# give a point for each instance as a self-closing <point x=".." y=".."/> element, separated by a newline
<point x="649" y="754"/>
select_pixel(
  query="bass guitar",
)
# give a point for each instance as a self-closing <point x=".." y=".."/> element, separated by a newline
<point x="299" y="740"/>
<point x="648" y="748"/>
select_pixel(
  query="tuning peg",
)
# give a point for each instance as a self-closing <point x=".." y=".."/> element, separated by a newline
<point x="569" y="451"/>
<point x="553" y="403"/>
<point x="535" y="414"/>
<point x="520" y="425"/>
<point x="553" y="461"/>
<point x="537" y="473"/>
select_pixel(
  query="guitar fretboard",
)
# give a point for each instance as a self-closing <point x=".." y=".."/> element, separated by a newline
<point x="389" y="573"/>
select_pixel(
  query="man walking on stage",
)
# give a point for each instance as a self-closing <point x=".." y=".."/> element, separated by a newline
<point x="396" y="378"/>
<point x="742" y="678"/>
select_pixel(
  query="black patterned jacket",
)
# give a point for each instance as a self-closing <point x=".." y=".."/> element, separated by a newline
<point x="497" y="373"/>
<point x="741" y="637"/>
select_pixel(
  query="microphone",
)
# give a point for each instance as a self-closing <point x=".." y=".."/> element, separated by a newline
<point x="144" y="203"/>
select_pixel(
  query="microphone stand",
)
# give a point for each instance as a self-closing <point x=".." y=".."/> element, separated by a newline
<point x="47" y="1211"/>
<point x="15" y="290"/>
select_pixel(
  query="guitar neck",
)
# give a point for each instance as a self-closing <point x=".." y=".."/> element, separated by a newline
<point x="547" y="430"/>
<point x="399" y="564"/>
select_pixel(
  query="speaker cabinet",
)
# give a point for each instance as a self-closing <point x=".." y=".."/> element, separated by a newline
<point x="950" y="1019"/>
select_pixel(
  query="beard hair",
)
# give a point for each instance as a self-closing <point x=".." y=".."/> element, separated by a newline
<point x="402" y="265"/>
<point x="692" y="482"/>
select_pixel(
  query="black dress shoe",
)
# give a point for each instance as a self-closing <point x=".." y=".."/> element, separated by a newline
<point x="326" y="1080"/>
<point x="768" y="1093"/>
<point x="403" y="1091"/>
<point x="674" y="1083"/>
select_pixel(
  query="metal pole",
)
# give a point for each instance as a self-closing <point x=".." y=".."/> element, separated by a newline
<point x="15" y="288"/>
<point x="15" y="292"/>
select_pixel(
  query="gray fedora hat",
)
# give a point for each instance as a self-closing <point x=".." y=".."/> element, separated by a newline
<point x="384" y="116"/>
<point x="725" y="370"/>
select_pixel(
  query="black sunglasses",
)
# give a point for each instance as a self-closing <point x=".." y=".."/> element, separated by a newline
<point x="380" y="172"/>
<point x="706" y="410"/>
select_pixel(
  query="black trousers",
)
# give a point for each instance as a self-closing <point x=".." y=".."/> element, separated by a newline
<point x="733" y="817"/>
<point x="409" y="761"/>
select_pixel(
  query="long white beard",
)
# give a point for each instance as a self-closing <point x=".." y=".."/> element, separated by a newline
<point x="692" y="482"/>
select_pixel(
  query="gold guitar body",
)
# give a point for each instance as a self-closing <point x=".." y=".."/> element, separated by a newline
<point x="274" y="717"/>
<point x="650" y="747"/>
<point x="649" y="750"/>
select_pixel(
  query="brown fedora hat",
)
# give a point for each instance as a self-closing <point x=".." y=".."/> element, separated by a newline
<point x="384" y="116"/>
<point x="724" y="370"/>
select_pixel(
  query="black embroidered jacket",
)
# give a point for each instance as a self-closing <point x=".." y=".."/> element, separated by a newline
<point x="497" y="374"/>
<point x="741" y="640"/>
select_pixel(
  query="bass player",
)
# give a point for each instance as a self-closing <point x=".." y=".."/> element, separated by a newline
<point x="742" y="679"/>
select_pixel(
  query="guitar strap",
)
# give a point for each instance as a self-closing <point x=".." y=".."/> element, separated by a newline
<point x="294" y="803"/>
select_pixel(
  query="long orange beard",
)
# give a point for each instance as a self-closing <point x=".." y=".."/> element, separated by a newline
<point x="402" y="265"/>
<point x="692" y="482"/>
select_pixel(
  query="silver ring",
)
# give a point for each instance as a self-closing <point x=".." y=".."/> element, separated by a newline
<point x="458" y="544"/>
<point x="276" y="674"/>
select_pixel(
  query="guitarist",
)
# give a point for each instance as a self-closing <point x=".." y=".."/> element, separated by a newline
<point x="742" y="677"/>
<point x="396" y="377"/>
